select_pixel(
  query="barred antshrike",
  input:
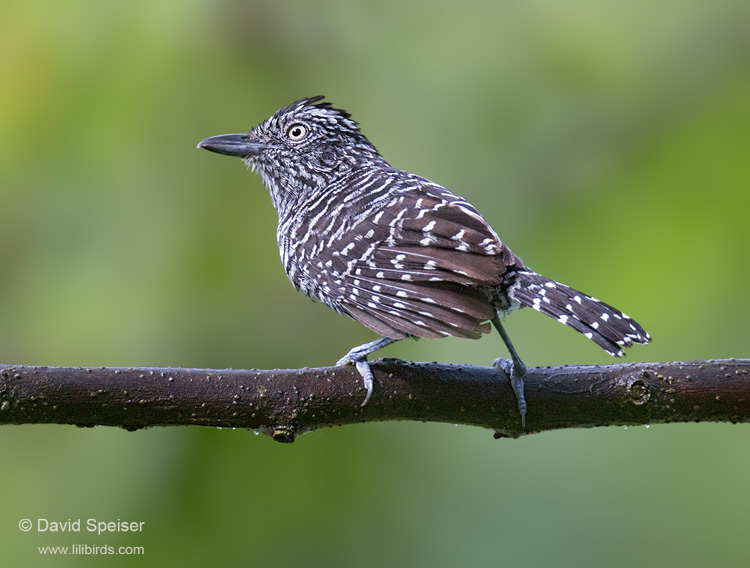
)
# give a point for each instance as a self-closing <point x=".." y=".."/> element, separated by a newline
<point x="398" y="253"/>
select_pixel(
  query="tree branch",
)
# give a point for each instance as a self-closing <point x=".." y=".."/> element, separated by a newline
<point x="286" y="403"/>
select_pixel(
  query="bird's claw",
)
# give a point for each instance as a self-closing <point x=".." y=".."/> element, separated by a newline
<point x="515" y="371"/>
<point x="363" y="367"/>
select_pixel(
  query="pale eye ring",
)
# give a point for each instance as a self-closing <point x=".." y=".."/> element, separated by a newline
<point x="296" y="132"/>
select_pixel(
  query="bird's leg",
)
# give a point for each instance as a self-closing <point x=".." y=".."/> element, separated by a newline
<point x="358" y="356"/>
<point x="514" y="368"/>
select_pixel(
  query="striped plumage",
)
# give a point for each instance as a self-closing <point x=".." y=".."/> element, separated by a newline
<point x="398" y="253"/>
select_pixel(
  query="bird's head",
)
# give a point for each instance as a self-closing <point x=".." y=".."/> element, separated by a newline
<point x="302" y="148"/>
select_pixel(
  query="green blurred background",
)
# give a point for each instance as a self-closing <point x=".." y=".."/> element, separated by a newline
<point x="607" y="143"/>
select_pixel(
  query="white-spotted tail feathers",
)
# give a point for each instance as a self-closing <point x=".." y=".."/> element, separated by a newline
<point x="608" y="327"/>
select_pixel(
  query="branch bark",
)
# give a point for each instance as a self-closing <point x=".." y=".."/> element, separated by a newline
<point x="286" y="403"/>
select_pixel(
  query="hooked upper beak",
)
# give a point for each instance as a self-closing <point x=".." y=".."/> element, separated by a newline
<point x="240" y="145"/>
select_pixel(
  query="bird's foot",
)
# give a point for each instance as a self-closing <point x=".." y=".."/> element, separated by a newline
<point x="515" y="371"/>
<point x="358" y="357"/>
<point x="364" y="370"/>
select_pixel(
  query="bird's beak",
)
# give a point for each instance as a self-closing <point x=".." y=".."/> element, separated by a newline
<point x="232" y="145"/>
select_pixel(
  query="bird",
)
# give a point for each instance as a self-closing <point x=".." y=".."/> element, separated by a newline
<point x="400" y="254"/>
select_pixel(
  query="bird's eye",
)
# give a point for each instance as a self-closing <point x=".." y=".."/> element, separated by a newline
<point x="296" y="132"/>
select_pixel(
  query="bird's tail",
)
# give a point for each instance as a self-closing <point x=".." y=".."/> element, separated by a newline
<point x="608" y="327"/>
